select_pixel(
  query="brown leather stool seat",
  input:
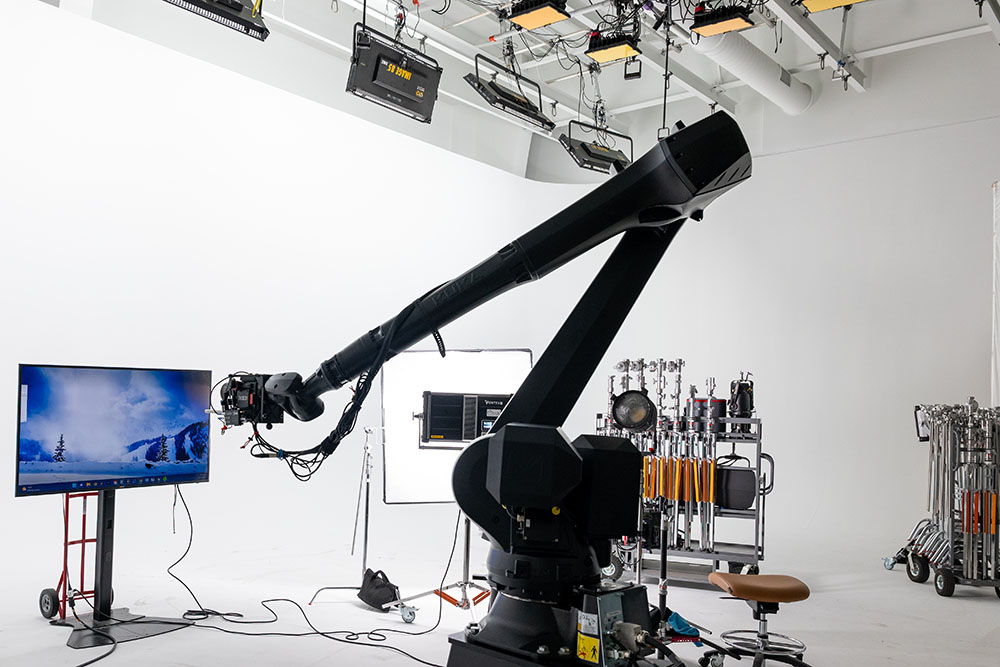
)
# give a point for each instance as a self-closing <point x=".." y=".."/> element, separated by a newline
<point x="761" y="587"/>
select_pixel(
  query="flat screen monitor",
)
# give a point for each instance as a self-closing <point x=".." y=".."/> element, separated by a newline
<point x="92" y="428"/>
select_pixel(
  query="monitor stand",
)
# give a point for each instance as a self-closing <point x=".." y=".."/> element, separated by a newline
<point x="118" y="623"/>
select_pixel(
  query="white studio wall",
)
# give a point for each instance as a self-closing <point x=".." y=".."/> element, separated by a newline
<point x="150" y="218"/>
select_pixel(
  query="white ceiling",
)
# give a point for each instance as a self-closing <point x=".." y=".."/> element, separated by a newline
<point x="872" y="24"/>
<point x="321" y="33"/>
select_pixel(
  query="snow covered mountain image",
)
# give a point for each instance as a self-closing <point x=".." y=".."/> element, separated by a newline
<point x="191" y="444"/>
<point x="94" y="424"/>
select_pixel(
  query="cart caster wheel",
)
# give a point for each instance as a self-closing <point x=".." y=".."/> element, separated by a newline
<point x="735" y="568"/>
<point x="889" y="562"/>
<point x="918" y="569"/>
<point x="996" y="589"/>
<point x="753" y="569"/>
<point x="944" y="583"/>
<point x="614" y="569"/>
<point x="48" y="603"/>
<point x="409" y="614"/>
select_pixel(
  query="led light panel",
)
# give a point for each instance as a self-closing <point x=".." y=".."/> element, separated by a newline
<point x="235" y="14"/>
<point x="720" y="21"/>
<point x="823" y="5"/>
<point x="531" y="15"/>
<point x="609" y="49"/>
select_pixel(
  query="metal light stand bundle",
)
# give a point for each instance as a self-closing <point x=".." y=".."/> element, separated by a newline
<point x="959" y="539"/>
<point x="681" y="474"/>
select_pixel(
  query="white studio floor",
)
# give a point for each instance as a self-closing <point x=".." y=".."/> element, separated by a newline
<point x="870" y="617"/>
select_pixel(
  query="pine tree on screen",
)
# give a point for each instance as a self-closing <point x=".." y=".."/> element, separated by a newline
<point x="164" y="454"/>
<point x="59" y="456"/>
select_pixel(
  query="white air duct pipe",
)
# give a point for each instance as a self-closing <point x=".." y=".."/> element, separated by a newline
<point x="735" y="54"/>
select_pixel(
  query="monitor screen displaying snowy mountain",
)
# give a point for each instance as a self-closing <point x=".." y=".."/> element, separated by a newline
<point x="85" y="429"/>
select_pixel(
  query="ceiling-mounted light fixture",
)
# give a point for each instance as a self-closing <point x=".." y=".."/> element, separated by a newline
<point x="514" y="102"/>
<point x="595" y="155"/>
<point x="240" y="15"/>
<point x="532" y="14"/>
<point x="605" y="49"/>
<point x="710" y="22"/>
<point x="823" y="5"/>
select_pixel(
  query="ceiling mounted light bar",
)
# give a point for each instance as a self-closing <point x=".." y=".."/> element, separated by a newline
<point x="822" y="5"/>
<point x="533" y="14"/>
<point x="605" y="49"/>
<point x="514" y="102"/>
<point x="240" y="15"/>
<point x="711" y="22"/>
<point x="593" y="155"/>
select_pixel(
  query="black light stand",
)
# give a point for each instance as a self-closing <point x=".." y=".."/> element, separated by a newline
<point x="117" y="623"/>
<point x="364" y="488"/>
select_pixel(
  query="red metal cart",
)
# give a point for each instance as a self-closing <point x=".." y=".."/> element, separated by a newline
<point x="53" y="601"/>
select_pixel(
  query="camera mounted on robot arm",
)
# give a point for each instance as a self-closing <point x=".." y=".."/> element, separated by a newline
<point x="673" y="181"/>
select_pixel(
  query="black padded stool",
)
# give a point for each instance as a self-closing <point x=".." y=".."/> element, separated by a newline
<point x="763" y="592"/>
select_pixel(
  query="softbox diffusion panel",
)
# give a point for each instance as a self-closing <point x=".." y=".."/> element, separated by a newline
<point x="413" y="473"/>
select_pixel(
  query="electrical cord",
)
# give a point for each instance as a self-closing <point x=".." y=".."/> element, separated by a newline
<point x="376" y="638"/>
<point x="114" y="642"/>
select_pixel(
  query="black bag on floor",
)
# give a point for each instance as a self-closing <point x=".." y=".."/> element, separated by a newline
<point x="376" y="590"/>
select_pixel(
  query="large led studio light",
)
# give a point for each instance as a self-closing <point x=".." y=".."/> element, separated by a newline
<point x="823" y="5"/>
<point x="609" y="48"/>
<point x="392" y="74"/>
<point x="592" y="154"/>
<point x="240" y="15"/>
<point x="514" y="102"/>
<point x="722" y="20"/>
<point x="532" y="14"/>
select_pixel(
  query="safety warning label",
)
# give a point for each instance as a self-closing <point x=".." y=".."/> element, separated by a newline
<point x="587" y="648"/>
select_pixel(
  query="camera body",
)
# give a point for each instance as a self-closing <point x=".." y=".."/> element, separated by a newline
<point x="245" y="400"/>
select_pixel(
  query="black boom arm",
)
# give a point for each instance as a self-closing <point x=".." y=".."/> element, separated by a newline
<point x="675" y="180"/>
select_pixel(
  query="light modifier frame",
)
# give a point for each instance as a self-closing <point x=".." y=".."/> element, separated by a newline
<point x="226" y="13"/>
<point x="526" y="111"/>
<point x="823" y="5"/>
<point x="531" y="14"/>
<point x="594" y="156"/>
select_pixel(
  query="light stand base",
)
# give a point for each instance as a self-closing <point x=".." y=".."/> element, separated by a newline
<point x="122" y="625"/>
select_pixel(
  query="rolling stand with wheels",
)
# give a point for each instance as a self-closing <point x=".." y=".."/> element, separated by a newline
<point x="117" y="623"/>
<point x="53" y="601"/>
<point x="959" y="543"/>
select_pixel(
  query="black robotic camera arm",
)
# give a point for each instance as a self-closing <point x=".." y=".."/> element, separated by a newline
<point x="674" y="180"/>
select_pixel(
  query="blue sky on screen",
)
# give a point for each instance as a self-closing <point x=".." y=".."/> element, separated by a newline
<point x="100" y="411"/>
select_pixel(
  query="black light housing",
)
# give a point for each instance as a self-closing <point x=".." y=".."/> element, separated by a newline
<point x="612" y="47"/>
<point x="238" y="15"/>
<point x="514" y="102"/>
<point x="710" y="22"/>
<point x="634" y="411"/>
<point x="533" y="14"/>
<point x="392" y="74"/>
<point x="593" y="155"/>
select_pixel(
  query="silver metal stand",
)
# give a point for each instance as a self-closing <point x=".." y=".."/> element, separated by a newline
<point x="463" y="602"/>
<point x="364" y="488"/>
